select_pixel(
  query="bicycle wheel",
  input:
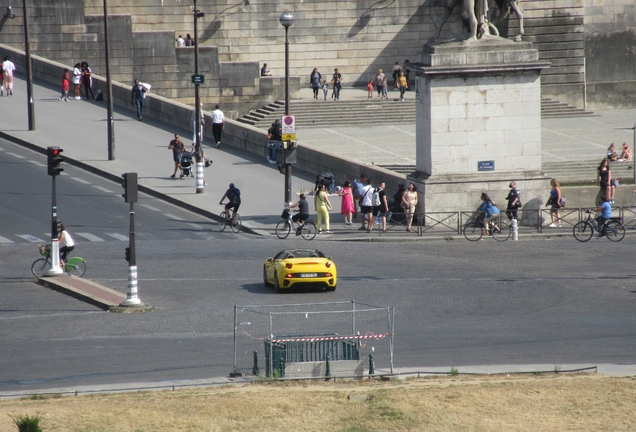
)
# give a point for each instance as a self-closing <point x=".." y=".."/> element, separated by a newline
<point x="75" y="267"/>
<point x="473" y="231"/>
<point x="615" y="231"/>
<point x="502" y="232"/>
<point x="283" y="228"/>
<point x="583" y="231"/>
<point x="236" y="223"/>
<point x="40" y="267"/>
<point x="223" y="217"/>
<point x="308" y="231"/>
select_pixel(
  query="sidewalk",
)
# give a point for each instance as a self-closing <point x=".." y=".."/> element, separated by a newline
<point x="79" y="127"/>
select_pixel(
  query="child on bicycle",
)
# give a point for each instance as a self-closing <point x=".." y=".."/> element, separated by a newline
<point x="302" y="212"/>
<point x="233" y="194"/>
<point x="606" y="214"/>
<point x="66" y="243"/>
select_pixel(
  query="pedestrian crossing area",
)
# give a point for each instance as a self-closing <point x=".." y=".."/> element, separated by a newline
<point x="198" y="232"/>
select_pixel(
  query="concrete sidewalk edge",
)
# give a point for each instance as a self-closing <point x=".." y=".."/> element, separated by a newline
<point x="58" y="285"/>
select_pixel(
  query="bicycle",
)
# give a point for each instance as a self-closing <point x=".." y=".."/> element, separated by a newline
<point x="74" y="266"/>
<point x="226" y="218"/>
<point x="474" y="230"/>
<point x="613" y="229"/>
<point x="307" y="229"/>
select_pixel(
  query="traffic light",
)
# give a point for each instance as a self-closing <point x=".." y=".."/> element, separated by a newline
<point x="130" y="187"/>
<point x="54" y="159"/>
<point x="127" y="251"/>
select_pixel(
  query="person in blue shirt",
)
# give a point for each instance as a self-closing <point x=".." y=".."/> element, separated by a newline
<point x="489" y="208"/>
<point x="606" y="213"/>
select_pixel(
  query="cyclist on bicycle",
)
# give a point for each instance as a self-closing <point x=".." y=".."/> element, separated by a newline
<point x="302" y="212"/>
<point x="606" y="213"/>
<point x="66" y="243"/>
<point x="489" y="209"/>
<point x="234" y="199"/>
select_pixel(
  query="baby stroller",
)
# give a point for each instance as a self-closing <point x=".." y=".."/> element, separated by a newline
<point x="327" y="179"/>
<point x="185" y="162"/>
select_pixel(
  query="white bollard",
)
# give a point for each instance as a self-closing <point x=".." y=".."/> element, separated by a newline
<point x="199" y="177"/>
<point x="56" y="268"/>
<point x="131" y="296"/>
<point x="515" y="230"/>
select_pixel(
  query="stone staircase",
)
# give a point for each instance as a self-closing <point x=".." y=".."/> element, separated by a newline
<point x="320" y="113"/>
<point x="584" y="172"/>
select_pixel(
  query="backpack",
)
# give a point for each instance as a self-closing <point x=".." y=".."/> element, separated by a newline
<point x="237" y="196"/>
<point x="375" y="198"/>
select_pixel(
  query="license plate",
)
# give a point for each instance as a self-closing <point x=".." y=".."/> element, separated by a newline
<point x="308" y="275"/>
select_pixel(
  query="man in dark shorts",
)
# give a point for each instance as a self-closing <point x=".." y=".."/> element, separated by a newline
<point x="303" y="211"/>
<point x="366" y="205"/>
<point x="177" y="148"/>
<point x="383" y="208"/>
<point x="234" y="197"/>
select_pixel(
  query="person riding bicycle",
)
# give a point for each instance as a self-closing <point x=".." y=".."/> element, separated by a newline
<point x="234" y="199"/>
<point x="302" y="212"/>
<point x="66" y="243"/>
<point x="606" y="213"/>
<point x="490" y="210"/>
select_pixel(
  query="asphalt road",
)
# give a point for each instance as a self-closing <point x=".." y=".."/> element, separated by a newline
<point x="456" y="303"/>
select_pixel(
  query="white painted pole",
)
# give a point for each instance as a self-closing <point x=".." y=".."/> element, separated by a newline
<point x="515" y="230"/>
<point x="56" y="269"/>
<point x="199" y="176"/>
<point x="131" y="296"/>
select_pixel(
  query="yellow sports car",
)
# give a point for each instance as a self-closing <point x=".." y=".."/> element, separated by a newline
<point x="300" y="267"/>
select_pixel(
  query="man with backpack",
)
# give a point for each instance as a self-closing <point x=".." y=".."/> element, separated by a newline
<point x="366" y="205"/>
<point x="274" y="133"/>
<point x="233" y="194"/>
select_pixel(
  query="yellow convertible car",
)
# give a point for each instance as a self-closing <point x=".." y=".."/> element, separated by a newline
<point x="293" y="268"/>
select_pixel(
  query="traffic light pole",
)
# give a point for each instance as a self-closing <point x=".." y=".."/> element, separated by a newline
<point x="55" y="246"/>
<point x="131" y="296"/>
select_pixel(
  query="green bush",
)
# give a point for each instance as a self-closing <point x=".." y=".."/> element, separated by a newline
<point x="27" y="423"/>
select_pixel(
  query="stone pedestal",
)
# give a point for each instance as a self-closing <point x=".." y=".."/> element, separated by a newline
<point x="478" y="123"/>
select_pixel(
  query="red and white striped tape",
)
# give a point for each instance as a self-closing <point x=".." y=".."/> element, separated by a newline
<point x="332" y="338"/>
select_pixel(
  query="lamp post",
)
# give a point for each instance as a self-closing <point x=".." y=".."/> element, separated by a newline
<point x="29" y="67"/>
<point x="287" y="19"/>
<point x="197" y="101"/>
<point x="109" y="90"/>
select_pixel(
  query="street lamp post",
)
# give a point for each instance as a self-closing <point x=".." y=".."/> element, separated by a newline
<point x="197" y="101"/>
<point x="29" y="69"/>
<point x="109" y="90"/>
<point x="287" y="19"/>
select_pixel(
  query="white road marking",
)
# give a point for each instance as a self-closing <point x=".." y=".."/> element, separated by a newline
<point x="578" y="139"/>
<point x="401" y="130"/>
<point x="30" y="238"/>
<point x="90" y="237"/>
<point x="37" y="163"/>
<point x="195" y="226"/>
<point x="171" y="216"/>
<point x="16" y="155"/>
<point x="118" y="236"/>
<point x="5" y="240"/>
<point x="80" y="180"/>
<point x="149" y="207"/>
<point x="205" y="235"/>
<point x="103" y="189"/>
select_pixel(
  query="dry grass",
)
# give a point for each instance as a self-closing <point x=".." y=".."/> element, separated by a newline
<point x="585" y="402"/>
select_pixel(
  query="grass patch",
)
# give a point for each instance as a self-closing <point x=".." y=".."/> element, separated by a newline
<point x="548" y="402"/>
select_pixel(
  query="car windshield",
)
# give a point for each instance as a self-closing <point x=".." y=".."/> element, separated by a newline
<point x="300" y="253"/>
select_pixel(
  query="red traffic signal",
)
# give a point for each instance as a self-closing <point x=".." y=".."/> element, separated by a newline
<point x="54" y="159"/>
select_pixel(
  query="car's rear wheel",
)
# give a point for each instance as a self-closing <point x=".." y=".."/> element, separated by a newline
<point x="265" y="282"/>
<point x="276" y="284"/>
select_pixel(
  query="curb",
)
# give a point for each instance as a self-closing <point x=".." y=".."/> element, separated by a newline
<point x="56" y="284"/>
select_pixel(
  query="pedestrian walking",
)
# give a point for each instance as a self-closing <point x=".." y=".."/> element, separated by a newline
<point x="322" y="205"/>
<point x="604" y="179"/>
<point x="325" y="89"/>
<point x="554" y="202"/>
<point x="137" y="96"/>
<point x="380" y="79"/>
<point x="77" y="81"/>
<point x="189" y="42"/>
<point x="274" y="133"/>
<point x="407" y="71"/>
<point x="7" y="75"/>
<point x="382" y="209"/>
<point x="314" y="80"/>
<point x="346" y="206"/>
<point x="357" y="185"/>
<point x="396" y="73"/>
<point x="402" y="83"/>
<point x="514" y="201"/>
<point x="218" y="124"/>
<point x="370" y="89"/>
<point x="66" y="78"/>
<point x="177" y="148"/>
<point x="193" y="119"/>
<point x="336" y="82"/>
<point x="385" y="89"/>
<point x="409" y="202"/>
<point x="366" y="206"/>
<point x="87" y="80"/>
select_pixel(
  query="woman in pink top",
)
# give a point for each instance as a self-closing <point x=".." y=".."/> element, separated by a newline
<point x="346" y="208"/>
